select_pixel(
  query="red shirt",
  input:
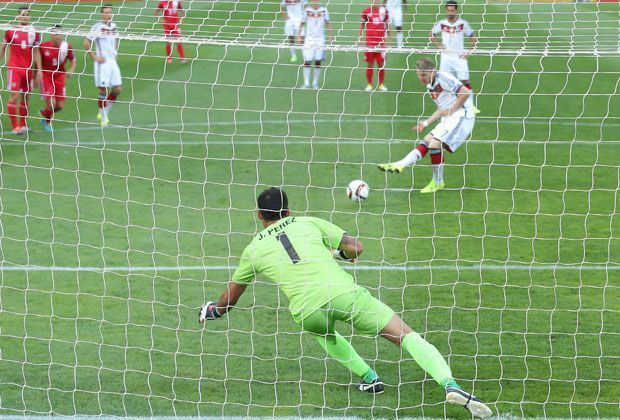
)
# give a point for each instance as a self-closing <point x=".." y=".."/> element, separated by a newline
<point x="376" y="23"/>
<point x="21" y="41"/>
<point x="171" y="10"/>
<point x="53" y="58"/>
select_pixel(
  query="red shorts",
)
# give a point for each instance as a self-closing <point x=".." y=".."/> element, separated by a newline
<point x="172" y="30"/>
<point x="20" y="80"/>
<point x="53" y="86"/>
<point x="372" y="56"/>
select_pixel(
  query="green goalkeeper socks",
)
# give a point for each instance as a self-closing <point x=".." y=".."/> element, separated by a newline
<point x="428" y="357"/>
<point x="340" y="349"/>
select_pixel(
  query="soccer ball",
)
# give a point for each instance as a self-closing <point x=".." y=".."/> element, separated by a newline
<point x="358" y="190"/>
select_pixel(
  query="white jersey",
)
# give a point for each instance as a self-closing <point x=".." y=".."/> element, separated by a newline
<point x="104" y="36"/>
<point x="444" y="89"/>
<point x="453" y="35"/>
<point x="314" y="20"/>
<point x="394" y="4"/>
<point x="294" y="8"/>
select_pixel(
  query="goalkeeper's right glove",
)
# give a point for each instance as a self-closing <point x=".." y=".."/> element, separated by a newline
<point x="208" y="312"/>
<point x="340" y="255"/>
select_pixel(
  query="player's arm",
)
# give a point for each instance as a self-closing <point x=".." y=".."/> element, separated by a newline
<point x="300" y="38"/>
<point x="227" y="301"/>
<point x="36" y="56"/>
<point x="71" y="70"/>
<point x="283" y="10"/>
<point x="330" y="31"/>
<point x="349" y="249"/>
<point x="435" y="40"/>
<point x="3" y="50"/>
<point x="87" y="44"/>
<point x="473" y="42"/>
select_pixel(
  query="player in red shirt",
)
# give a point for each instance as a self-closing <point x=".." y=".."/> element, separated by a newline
<point x="172" y="12"/>
<point x="23" y="42"/>
<point x="54" y="55"/>
<point x="375" y="23"/>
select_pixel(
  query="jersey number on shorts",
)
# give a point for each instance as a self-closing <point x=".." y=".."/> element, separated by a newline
<point x="288" y="247"/>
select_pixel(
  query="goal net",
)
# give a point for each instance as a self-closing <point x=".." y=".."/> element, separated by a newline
<point x="112" y="237"/>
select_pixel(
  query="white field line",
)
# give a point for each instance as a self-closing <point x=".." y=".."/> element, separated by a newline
<point x="473" y="267"/>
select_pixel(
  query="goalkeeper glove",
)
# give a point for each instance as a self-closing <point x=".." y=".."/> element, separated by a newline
<point x="208" y="312"/>
<point x="340" y="255"/>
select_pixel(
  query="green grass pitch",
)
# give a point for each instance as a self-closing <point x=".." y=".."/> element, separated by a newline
<point x="173" y="184"/>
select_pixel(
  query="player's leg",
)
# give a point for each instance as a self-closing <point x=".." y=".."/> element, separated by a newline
<point x="23" y="111"/>
<point x="432" y="362"/>
<point x="176" y="33"/>
<point x="369" y="57"/>
<point x="308" y="54"/>
<point x="14" y="81"/>
<point x="437" y="183"/>
<point x="116" y="82"/>
<point x="319" y="55"/>
<point x="321" y="325"/>
<point x="429" y="143"/>
<point x="381" y="71"/>
<point x="168" y="35"/>
<point x="396" y="16"/>
<point x="101" y="103"/>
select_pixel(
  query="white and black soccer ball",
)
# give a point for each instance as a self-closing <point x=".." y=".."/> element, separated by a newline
<point x="358" y="190"/>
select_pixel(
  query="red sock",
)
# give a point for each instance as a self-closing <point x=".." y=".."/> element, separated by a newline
<point x="23" y="112"/>
<point x="369" y="73"/>
<point x="168" y="50"/>
<point x="47" y="113"/>
<point x="381" y="76"/>
<point x="436" y="158"/>
<point x="422" y="149"/>
<point x="111" y="97"/>
<point x="180" y="50"/>
<point x="101" y="102"/>
<point x="12" y="111"/>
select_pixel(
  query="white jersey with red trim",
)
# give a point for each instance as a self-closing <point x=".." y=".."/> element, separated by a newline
<point x="453" y="35"/>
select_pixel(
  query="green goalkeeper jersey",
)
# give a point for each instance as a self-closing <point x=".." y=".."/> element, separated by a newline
<point x="295" y="253"/>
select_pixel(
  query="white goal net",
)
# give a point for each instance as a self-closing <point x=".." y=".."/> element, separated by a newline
<point x="112" y="237"/>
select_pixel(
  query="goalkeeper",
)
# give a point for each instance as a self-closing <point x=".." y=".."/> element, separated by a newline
<point x="297" y="253"/>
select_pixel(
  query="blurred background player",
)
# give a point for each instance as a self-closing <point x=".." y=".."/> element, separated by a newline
<point x="453" y="30"/>
<point x="23" y="42"/>
<point x="375" y="25"/>
<point x="314" y="20"/>
<point x="297" y="254"/>
<point x="292" y="11"/>
<point x="172" y="13"/>
<point x="395" y="12"/>
<point x="107" y="73"/>
<point x="54" y="55"/>
<point x="454" y="107"/>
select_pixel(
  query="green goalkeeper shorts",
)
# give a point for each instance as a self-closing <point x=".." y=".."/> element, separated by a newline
<point x="367" y="314"/>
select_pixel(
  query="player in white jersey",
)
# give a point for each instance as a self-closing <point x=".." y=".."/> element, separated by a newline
<point x="107" y="73"/>
<point x="314" y="20"/>
<point x="453" y="31"/>
<point x="292" y="11"/>
<point x="395" y="13"/>
<point x="455" y="108"/>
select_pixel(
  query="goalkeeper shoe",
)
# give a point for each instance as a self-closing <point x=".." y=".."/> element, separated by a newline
<point x="472" y="404"/>
<point x="382" y="88"/>
<point x="374" y="387"/>
<point x="391" y="168"/>
<point x="47" y="127"/>
<point x="368" y="87"/>
<point x="433" y="187"/>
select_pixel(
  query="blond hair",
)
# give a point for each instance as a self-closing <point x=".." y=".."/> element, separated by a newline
<point x="425" y="64"/>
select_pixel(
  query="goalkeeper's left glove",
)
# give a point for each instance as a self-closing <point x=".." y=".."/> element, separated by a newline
<point x="340" y="255"/>
<point x="208" y="312"/>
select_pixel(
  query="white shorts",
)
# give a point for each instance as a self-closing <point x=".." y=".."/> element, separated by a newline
<point x="452" y="131"/>
<point x="291" y="27"/>
<point x="396" y="16"/>
<point x="107" y="74"/>
<point x="314" y="53"/>
<point x="453" y="64"/>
